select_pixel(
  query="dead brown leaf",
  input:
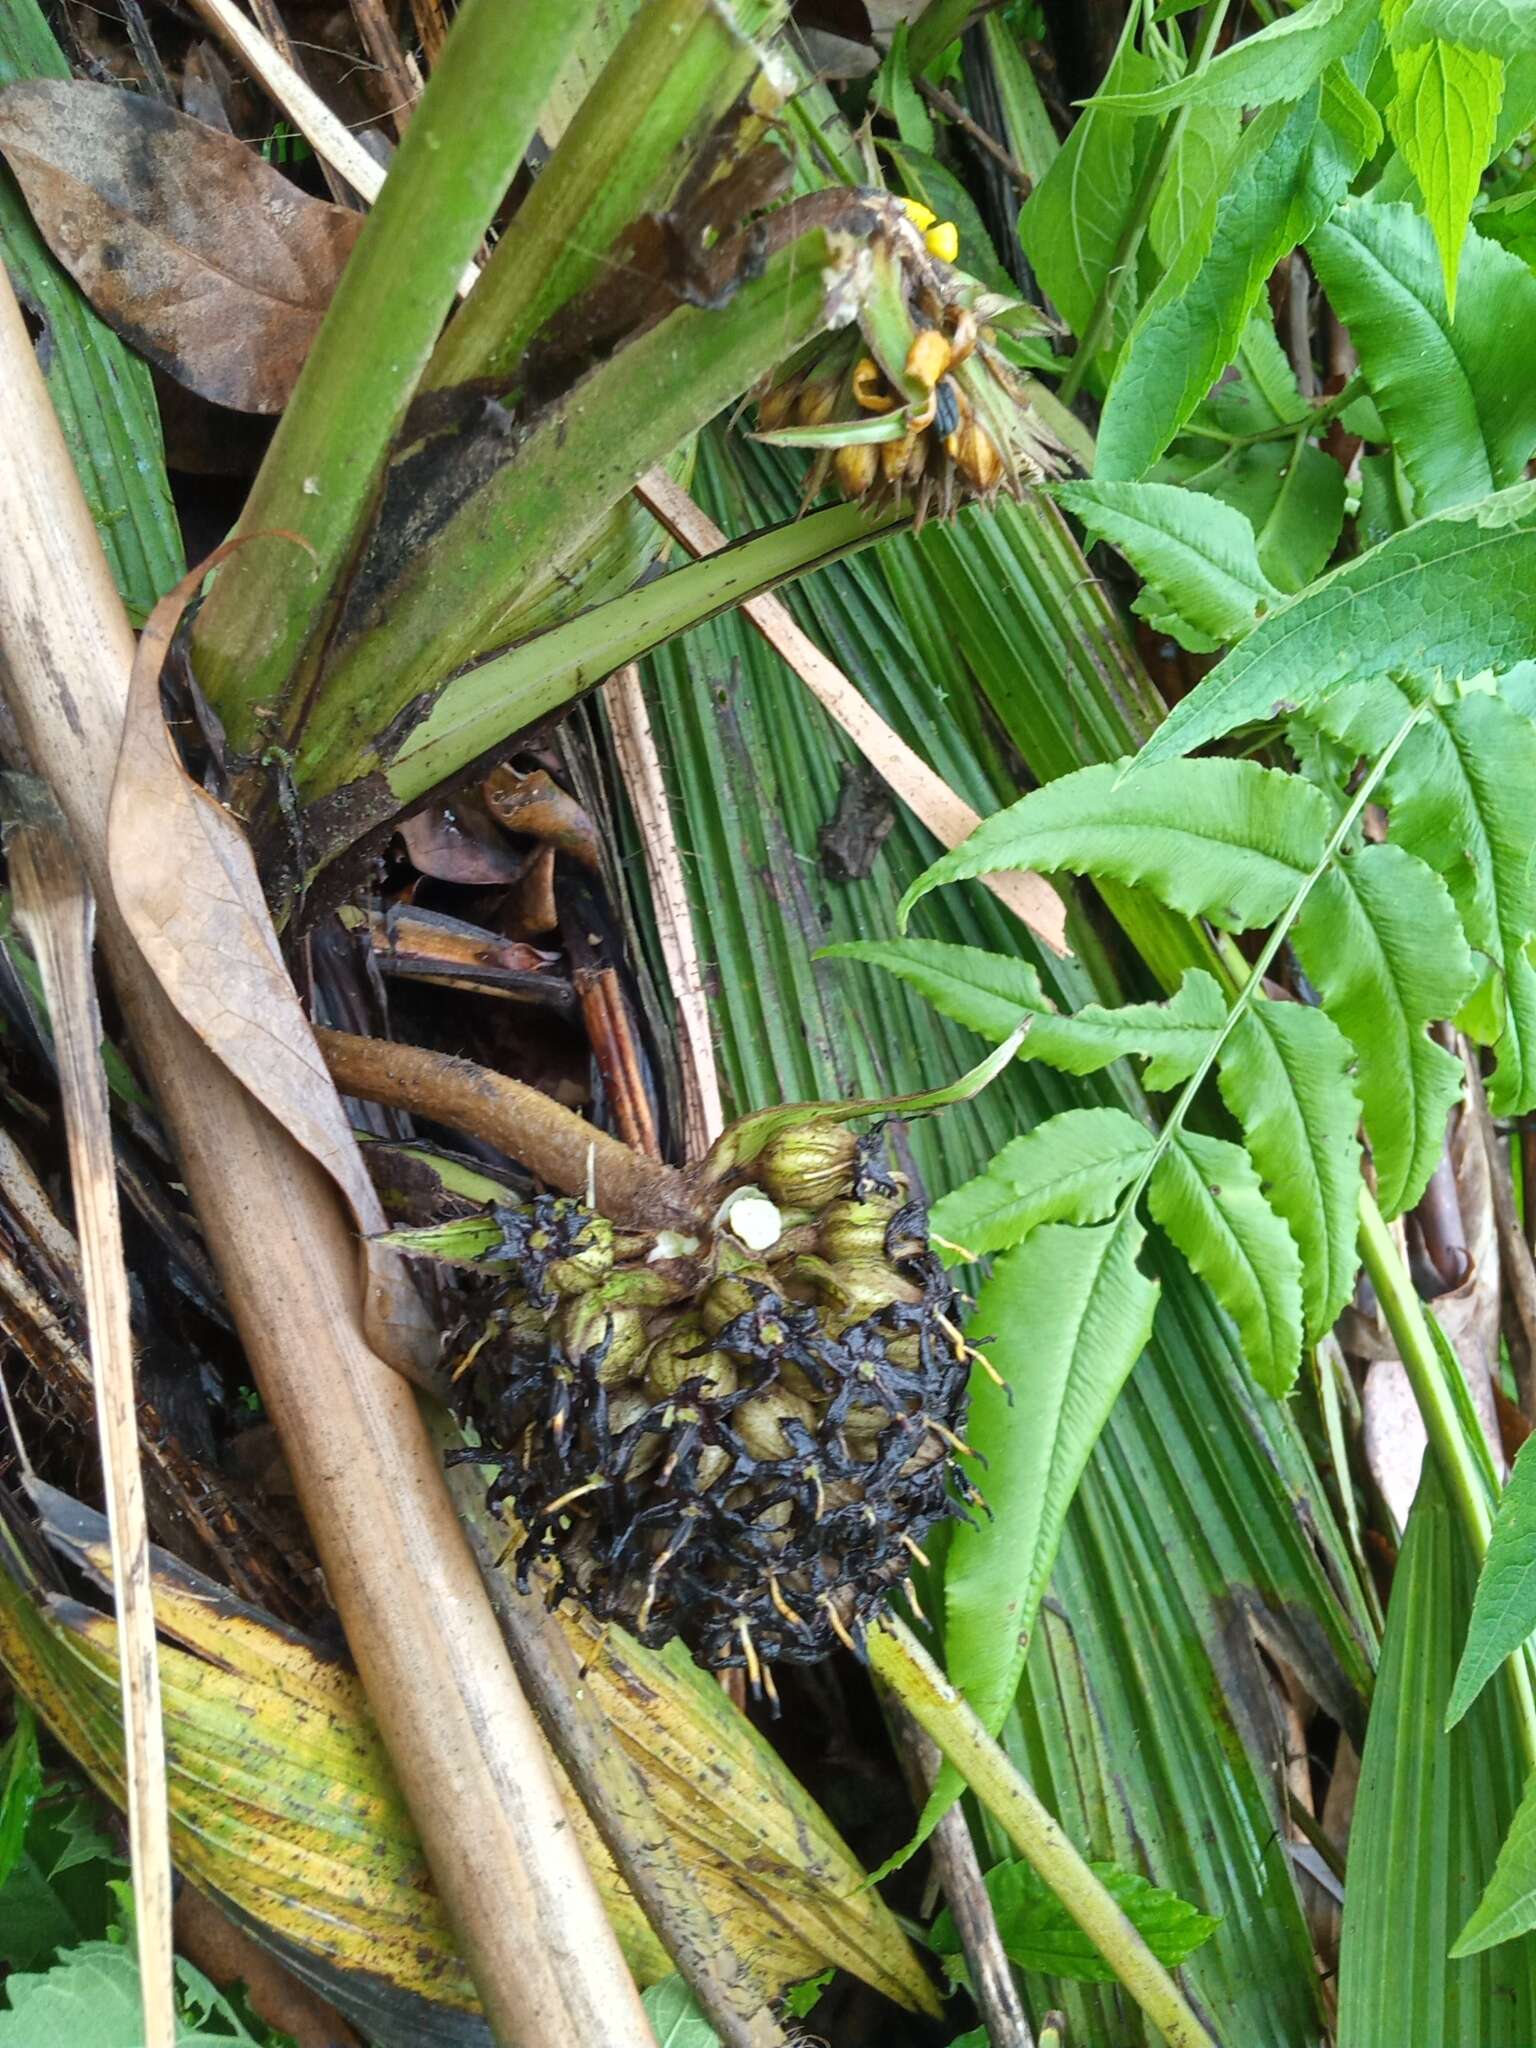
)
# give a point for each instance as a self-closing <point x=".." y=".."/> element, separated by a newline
<point x="203" y="257"/>
<point x="187" y="886"/>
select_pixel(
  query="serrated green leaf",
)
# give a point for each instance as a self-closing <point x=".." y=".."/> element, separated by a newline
<point x="674" y="2015"/>
<point x="1183" y="216"/>
<point x="1073" y="1168"/>
<point x="1291" y="169"/>
<point x="1070" y="225"/>
<point x="1065" y="1316"/>
<point x="893" y="89"/>
<point x="1278" y="64"/>
<point x="1417" y="603"/>
<point x="1197" y="557"/>
<point x="1380" y="940"/>
<point x="987" y="992"/>
<point x="1227" y="840"/>
<point x="1504" y="1609"/>
<point x="1506" y="27"/>
<point x="1428" y="1815"/>
<point x="1460" y="410"/>
<point x="1460" y="793"/>
<point x="1443" y="118"/>
<point x="21" y="1779"/>
<point x="1039" y="1934"/>
<point x="1284" y="1073"/>
<point x="1206" y="1195"/>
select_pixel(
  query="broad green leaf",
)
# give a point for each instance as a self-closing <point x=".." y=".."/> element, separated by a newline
<point x="893" y="89"/>
<point x="1380" y="940"/>
<point x="1277" y="64"/>
<point x="1070" y="226"/>
<point x="1443" y="117"/>
<point x="1419" y="602"/>
<point x="1291" y="169"/>
<point x="1196" y="556"/>
<point x="1183" y="216"/>
<point x="1504" y="1610"/>
<point x="1428" y="1816"/>
<point x="674" y="2014"/>
<point x="1227" y="840"/>
<point x="987" y="992"/>
<point x="1506" y="27"/>
<point x="1285" y="1075"/>
<point x="1460" y="792"/>
<point x="1457" y="404"/>
<point x="1206" y="1195"/>
<point x="1071" y="1169"/>
<point x="1039" y="1933"/>
<point x="1065" y="1316"/>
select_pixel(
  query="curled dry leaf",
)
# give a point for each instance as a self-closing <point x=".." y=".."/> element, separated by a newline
<point x="203" y="257"/>
<point x="187" y="886"/>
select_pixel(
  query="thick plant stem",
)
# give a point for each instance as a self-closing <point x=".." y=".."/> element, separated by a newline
<point x="901" y="1663"/>
<point x="322" y="473"/>
<point x="1464" y="1482"/>
<point x="1124" y="259"/>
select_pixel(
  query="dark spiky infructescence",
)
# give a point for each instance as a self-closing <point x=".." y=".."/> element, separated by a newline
<point x="742" y="1448"/>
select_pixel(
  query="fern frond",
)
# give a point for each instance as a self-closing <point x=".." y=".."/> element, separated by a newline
<point x="1071" y="1169"/>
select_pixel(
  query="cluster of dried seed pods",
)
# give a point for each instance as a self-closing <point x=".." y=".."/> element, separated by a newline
<point x="741" y="1445"/>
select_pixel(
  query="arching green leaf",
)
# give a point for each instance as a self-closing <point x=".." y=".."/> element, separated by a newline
<point x="1456" y="400"/>
<point x="1419" y="603"/>
<point x="1284" y="1074"/>
<point x="1071" y="1169"/>
<point x="1278" y="63"/>
<point x="1206" y="1195"/>
<point x="1504" y="1611"/>
<point x="1443" y="117"/>
<point x="988" y="991"/>
<point x="1380" y="940"/>
<point x="1507" y="27"/>
<point x="1197" y="557"/>
<point x="1068" y="1313"/>
<point x="1227" y="840"/>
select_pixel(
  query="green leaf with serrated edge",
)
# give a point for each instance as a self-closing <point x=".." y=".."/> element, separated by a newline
<point x="1419" y="603"/>
<point x="21" y="1779"/>
<point x="1380" y="941"/>
<point x="1504" y="1611"/>
<point x="1070" y="225"/>
<point x="894" y="91"/>
<point x="1443" y="117"/>
<point x="1284" y="1073"/>
<point x="1506" y="27"/>
<point x="987" y="991"/>
<point x="1039" y="1933"/>
<point x="1460" y="410"/>
<point x="1071" y="1169"/>
<point x="1065" y="1316"/>
<point x="1280" y="63"/>
<point x="675" y="2017"/>
<point x="1428" y="1815"/>
<point x="1197" y="557"/>
<point x="1291" y="493"/>
<point x="1227" y="840"/>
<point x="1206" y="1195"/>
<point x="1290" y="171"/>
<point x="1460" y="793"/>
<point x="1183" y="216"/>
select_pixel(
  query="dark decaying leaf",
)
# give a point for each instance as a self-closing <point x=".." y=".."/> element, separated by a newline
<point x="204" y="258"/>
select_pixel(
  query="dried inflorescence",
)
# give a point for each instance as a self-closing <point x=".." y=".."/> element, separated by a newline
<point x="742" y="1449"/>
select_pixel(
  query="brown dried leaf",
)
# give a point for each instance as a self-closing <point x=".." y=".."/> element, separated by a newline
<point x="188" y="889"/>
<point x="204" y="258"/>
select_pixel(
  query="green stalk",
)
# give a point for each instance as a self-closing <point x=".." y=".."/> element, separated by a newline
<point x="453" y="597"/>
<point x="901" y="1663"/>
<point x="940" y="22"/>
<point x="1141" y="212"/>
<point x="271" y="602"/>
<point x="676" y="73"/>
<point x="1443" y="1425"/>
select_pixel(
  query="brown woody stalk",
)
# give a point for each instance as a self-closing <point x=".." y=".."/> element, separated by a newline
<point x="427" y="1646"/>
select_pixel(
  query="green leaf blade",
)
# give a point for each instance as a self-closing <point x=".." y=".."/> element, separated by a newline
<point x="1279" y="63"/>
<point x="1504" y="1608"/>
<point x="1071" y="1169"/>
<point x="1227" y="840"/>
<point x="1197" y="557"/>
<point x="1070" y="1311"/>
<point x="1285" y="1075"/>
<point x="1206" y="1195"/>
<point x="1039" y="1934"/>
<point x="1380" y="940"/>
<point x="1443" y="117"/>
